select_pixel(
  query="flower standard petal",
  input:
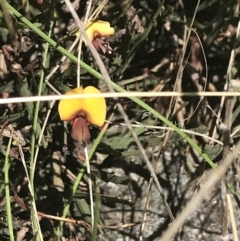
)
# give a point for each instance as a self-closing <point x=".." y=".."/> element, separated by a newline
<point x="69" y="109"/>
<point x="95" y="109"/>
<point x="102" y="29"/>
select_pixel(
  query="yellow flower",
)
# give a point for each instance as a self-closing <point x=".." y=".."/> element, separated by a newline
<point x="83" y="111"/>
<point x="95" y="30"/>
<point x="98" y="29"/>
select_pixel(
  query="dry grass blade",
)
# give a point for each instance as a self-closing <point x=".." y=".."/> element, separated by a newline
<point x="120" y="226"/>
<point x="34" y="209"/>
<point x="232" y="218"/>
<point x="118" y="95"/>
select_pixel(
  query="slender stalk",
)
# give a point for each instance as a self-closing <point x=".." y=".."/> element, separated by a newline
<point x="89" y="5"/>
<point x="7" y="192"/>
<point x="89" y="184"/>
<point x="96" y="213"/>
<point x="34" y="215"/>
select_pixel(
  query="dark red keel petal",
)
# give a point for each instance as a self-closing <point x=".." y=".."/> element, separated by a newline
<point x="101" y="46"/>
<point x="80" y="131"/>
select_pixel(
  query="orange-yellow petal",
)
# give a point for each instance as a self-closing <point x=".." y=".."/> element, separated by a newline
<point x="98" y="29"/>
<point x="69" y="109"/>
<point x="95" y="109"/>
